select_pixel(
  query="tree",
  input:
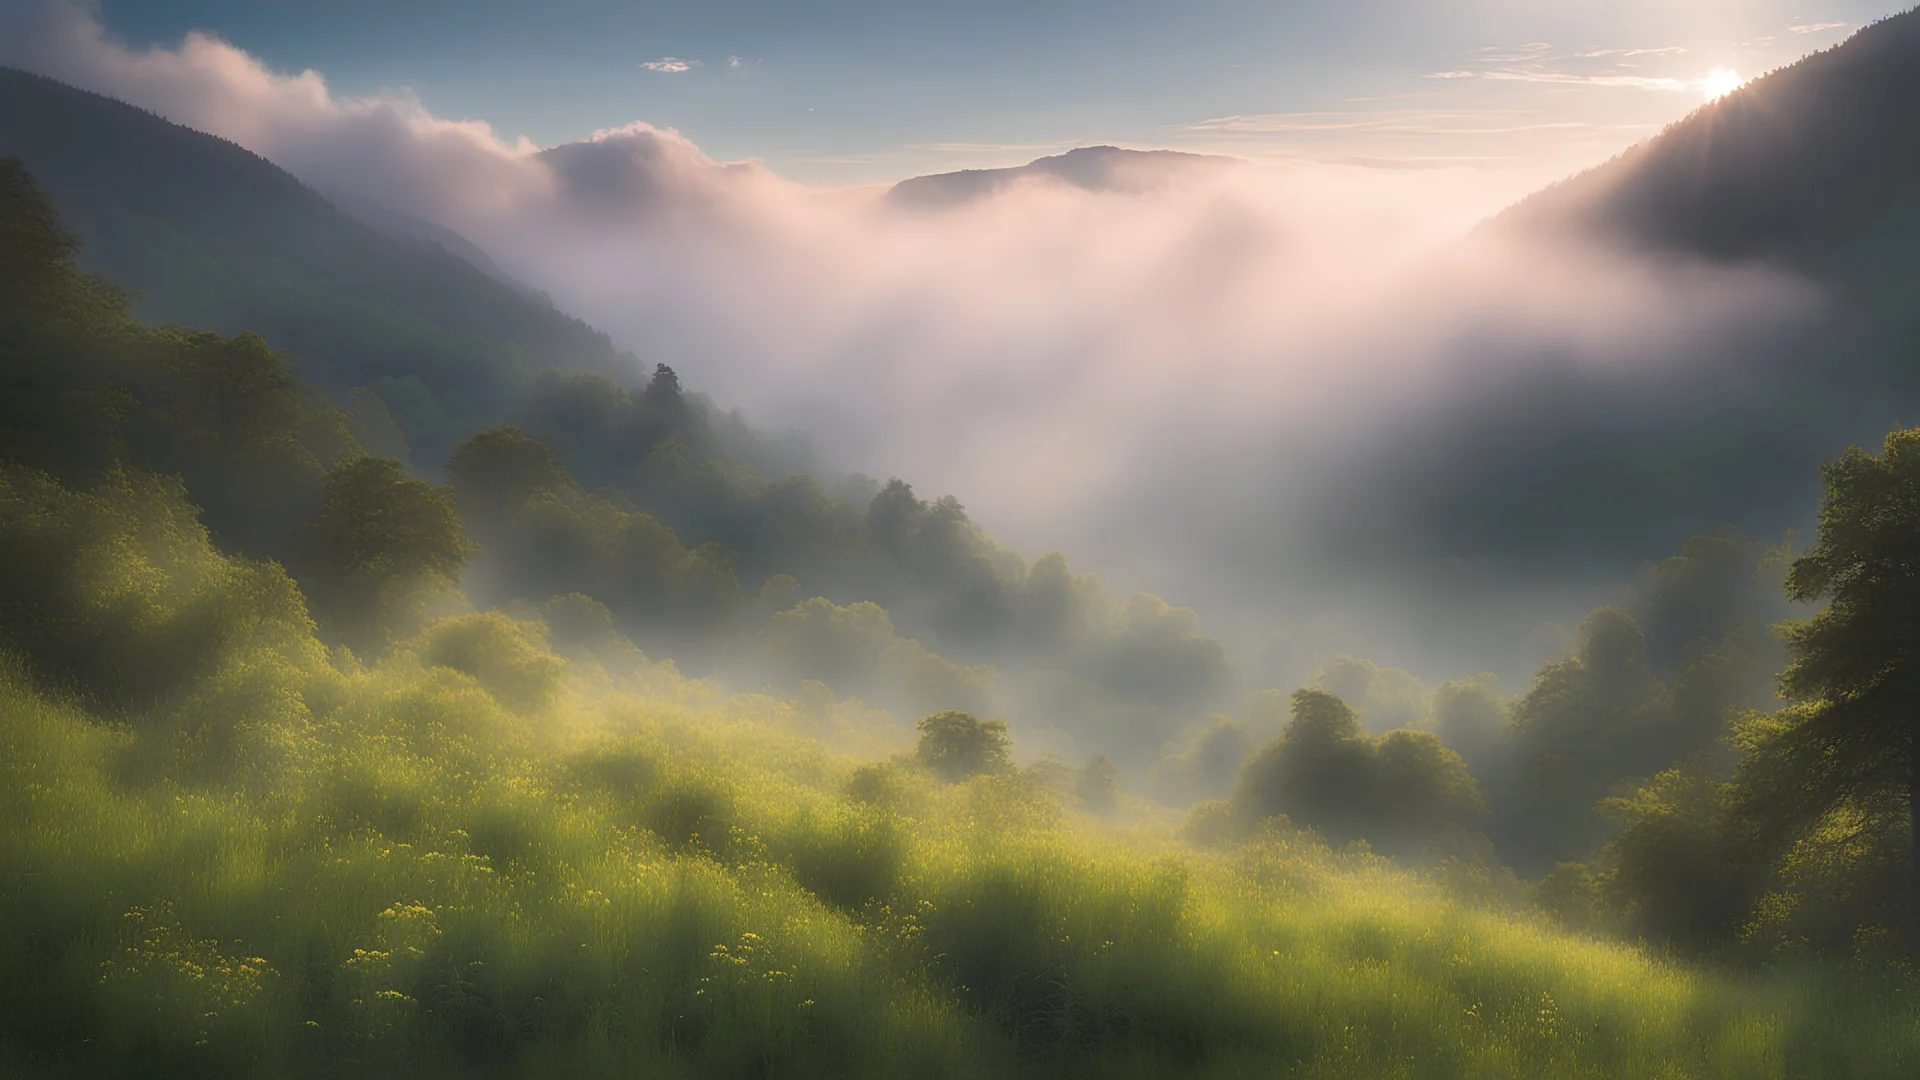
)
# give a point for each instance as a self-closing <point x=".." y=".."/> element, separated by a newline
<point x="1386" y="698"/>
<point x="495" y="472"/>
<point x="1856" y="664"/>
<point x="1098" y="785"/>
<point x="1319" y="773"/>
<point x="1325" y="772"/>
<point x="1470" y="717"/>
<point x="1418" y="782"/>
<point x="956" y="745"/>
<point x="510" y="657"/>
<point x="1718" y="581"/>
<point x="382" y="543"/>
<point x="1587" y="722"/>
<point x="663" y="391"/>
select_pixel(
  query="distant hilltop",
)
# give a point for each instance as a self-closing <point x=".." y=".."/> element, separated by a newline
<point x="1092" y="168"/>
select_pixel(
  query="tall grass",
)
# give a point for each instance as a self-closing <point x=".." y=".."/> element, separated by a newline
<point x="328" y="871"/>
<point x="477" y="858"/>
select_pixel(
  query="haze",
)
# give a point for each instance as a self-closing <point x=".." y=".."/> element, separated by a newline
<point x="1092" y="369"/>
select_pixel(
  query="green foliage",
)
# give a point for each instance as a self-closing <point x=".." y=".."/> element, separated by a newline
<point x="1204" y="767"/>
<point x="849" y="857"/>
<point x="855" y="650"/>
<point x="666" y="517"/>
<point x="1320" y="772"/>
<point x="213" y="236"/>
<point x="1470" y="716"/>
<point x="1601" y="719"/>
<point x="382" y="546"/>
<point x="226" y="850"/>
<point x="1718" y="582"/>
<point x="1811" y="842"/>
<point x="1098" y="785"/>
<point x="85" y="390"/>
<point x="1386" y="698"/>
<point x="956" y="745"/>
<point x="117" y="595"/>
<point x="296" y="865"/>
<point x="1420" y="780"/>
<point x="495" y="472"/>
<point x="1798" y="836"/>
<point x="1855" y="663"/>
<point x="1326" y="772"/>
<point x="507" y="656"/>
<point x="542" y="535"/>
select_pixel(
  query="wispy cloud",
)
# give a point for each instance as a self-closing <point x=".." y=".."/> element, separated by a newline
<point x="1477" y="122"/>
<point x="671" y="65"/>
<point x="1568" y="78"/>
<point x="1594" y="54"/>
<point x="734" y="61"/>
<point x="1541" y="62"/>
<point x="1817" y="28"/>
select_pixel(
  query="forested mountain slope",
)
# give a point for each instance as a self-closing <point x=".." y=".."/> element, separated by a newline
<point x="691" y="528"/>
<point x="1812" y="172"/>
<point x="209" y="235"/>
<point x="1816" y="165"/>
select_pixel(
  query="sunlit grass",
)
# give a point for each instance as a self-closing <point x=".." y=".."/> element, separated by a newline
<point x="411" y="878"/>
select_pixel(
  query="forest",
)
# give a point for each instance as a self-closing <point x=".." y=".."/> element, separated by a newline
<point x="400" y="678"/>
<point x="317" y="766"/>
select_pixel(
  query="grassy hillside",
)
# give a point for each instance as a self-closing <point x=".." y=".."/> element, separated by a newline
<point x="307" y="812"/>
<point x="476" y="858"/>
<point x="479" y="856"/>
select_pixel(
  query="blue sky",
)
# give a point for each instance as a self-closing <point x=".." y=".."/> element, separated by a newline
<point x="858" y="90"/>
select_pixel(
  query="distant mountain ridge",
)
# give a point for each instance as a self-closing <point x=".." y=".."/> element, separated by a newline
<point x="1091" y="168"/>
<point x="211" y="235"/>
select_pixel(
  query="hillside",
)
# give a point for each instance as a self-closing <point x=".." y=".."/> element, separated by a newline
<point x="1812" y="171"/>
<point x="1090" y="168"/>
<point x="319" y="817"/>
<point x="690" y="528"/>
<point x="210" y="235"/>
<point x="1816" y="165"/>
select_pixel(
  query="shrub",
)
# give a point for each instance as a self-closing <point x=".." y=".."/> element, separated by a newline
<point x="956" y="745"/>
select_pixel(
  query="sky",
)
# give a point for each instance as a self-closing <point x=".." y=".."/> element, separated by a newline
<point x="843" y="92"/>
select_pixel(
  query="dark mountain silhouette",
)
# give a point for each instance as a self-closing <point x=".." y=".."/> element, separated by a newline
<point x="383" y="218"/>
<point x="1813" y="170"/>
<point x="1816" y="165"/>
<point x="1093" y="168"/>
<point x="211" y="235"/>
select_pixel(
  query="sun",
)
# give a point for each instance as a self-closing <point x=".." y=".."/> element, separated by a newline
<point x="1720" y="82"/>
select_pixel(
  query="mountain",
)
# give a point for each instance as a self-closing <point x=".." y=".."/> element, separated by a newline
<point x="208" y="234"/>
<point x="1091" y="168"/>
<point x="385" y="219"/>
<point x="690" y="531"/>
<point x="1816" y="165"/>
<point x="1812" y="171"/>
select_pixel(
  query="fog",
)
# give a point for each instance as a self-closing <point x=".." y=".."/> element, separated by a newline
<point x="1177" y="375"/>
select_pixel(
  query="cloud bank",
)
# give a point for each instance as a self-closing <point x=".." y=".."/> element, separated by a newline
<point x="1127" y="375"/>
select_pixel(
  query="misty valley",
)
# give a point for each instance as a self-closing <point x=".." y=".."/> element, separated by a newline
<point x="453" y="622"/>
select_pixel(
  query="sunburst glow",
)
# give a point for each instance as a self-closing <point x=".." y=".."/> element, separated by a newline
<point x="1720" y="82"/>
